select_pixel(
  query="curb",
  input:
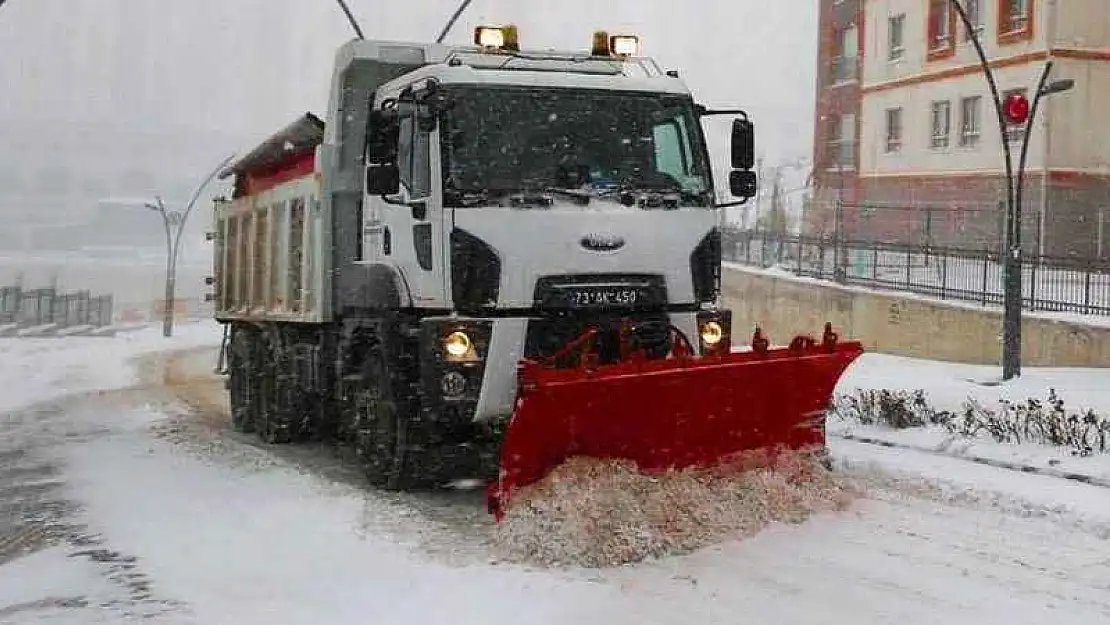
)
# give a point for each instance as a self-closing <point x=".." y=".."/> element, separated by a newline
<point x="991" y="462"/>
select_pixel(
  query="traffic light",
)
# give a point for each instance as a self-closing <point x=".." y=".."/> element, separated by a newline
<point x="1016" y="108"/>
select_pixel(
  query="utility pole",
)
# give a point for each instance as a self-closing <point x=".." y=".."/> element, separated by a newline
<point x="1014" y="109"/>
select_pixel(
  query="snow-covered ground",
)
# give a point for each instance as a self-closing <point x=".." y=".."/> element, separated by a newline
<point x="225" y="532"/>
<point x="40" y="369"/>
<point x="948" y="385"/>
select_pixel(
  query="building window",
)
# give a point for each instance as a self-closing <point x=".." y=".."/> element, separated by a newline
<point x="941" y="23"/>
<point x="1015" y="21"/>
<point x="1014" y="132"/>
<point x="893" y="130"/>
<point x="970" y="121"/>
<point x="842" y="141"/>
<point x="941" y="123"/>
<point x="974" y="10"/>
<point x="895" y="38"/>
<point x="845" y="60"/>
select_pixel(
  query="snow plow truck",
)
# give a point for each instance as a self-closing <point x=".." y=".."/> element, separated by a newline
<point x="485" y="260"/>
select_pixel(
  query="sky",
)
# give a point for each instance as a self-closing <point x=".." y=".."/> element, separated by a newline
<point x="133" y="97"/>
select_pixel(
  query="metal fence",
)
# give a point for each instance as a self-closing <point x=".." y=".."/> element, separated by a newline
<point x="24" y="308"/>
<point x="1049" y="283"/>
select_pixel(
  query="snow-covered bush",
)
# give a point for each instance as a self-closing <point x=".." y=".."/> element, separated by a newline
<point x="1032" y="421"/>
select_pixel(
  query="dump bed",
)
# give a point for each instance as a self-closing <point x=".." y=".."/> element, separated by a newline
<point x="268" y="257"/>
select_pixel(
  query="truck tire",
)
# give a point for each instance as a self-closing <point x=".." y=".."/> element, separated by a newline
<point x="283" y="422"/>
<point x="265" y="416"/>
<point x="375" y="432"/>
<point x="239" y="380"/>
<point x="384" y="407"/>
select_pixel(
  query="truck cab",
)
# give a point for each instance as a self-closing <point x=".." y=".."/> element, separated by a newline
<point x="524" y="196"/>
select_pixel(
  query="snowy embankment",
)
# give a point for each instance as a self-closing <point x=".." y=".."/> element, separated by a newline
<point x="962" y="410"/>
<point x="34" y="370"/>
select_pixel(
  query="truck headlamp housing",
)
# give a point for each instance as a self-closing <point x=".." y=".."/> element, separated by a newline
<point x="715" y="331"/>
<point x="457" y="344"/>
<point x="712" y="333"/>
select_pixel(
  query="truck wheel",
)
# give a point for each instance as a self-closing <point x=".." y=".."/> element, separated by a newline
<point x="239" y="392"/>
<point x="376" y="433"/>
<point x="283" y="418"/>
<point x="264" y="404"/>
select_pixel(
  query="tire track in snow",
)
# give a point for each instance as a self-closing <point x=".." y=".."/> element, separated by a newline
<point x="36" y="513"/>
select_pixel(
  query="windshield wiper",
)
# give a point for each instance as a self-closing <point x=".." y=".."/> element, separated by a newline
<point x="655" y="196"/>
<point x="580" y="196"/>
<point x="465" y="199"/>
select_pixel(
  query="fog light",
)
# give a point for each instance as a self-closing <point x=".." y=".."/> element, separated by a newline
<point x="457" y="344"/>
<point x="453" y="384"/>
<point x="712" y="333"/>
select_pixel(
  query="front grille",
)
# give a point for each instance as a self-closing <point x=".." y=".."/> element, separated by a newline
<point x="547" y="335"/>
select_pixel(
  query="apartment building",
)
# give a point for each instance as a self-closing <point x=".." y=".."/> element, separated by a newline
<point x="928" y="160"/>
<point x="837" y="130"/>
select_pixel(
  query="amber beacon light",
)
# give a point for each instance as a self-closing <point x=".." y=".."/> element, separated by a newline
<point x="497" y="38"/>
<point x="605" y="44"/>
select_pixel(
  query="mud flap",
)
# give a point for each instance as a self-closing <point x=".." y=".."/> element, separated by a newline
<point x="683" y="411"/>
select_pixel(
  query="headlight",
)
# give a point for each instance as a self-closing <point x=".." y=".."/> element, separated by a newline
<point x="457" y="344"/>
<point x="712" y="333"/>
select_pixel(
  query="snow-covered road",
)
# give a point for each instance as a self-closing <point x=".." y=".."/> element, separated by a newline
<point x="153" y="514"/>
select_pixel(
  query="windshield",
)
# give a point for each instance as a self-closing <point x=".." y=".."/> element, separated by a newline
<point x="497" y="141"/>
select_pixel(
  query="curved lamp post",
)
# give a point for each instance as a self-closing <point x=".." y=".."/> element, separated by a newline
<point x="174" y="222"/>
<point x="1013" y="109"/>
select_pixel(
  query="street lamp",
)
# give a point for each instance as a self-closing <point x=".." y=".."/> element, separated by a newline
<point x="1014" y="109"/>
<point x="174" y="223"/>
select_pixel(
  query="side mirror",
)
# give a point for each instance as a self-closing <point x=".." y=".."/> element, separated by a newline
<point x="742" y="183"/>
<point x="743" y="143"/>
<point x="382" y="135"/>
<point x="383" y="179"/>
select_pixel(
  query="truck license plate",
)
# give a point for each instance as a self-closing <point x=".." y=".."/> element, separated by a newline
<point x="601" y="297"/>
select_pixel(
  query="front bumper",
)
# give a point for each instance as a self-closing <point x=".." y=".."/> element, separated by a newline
<point x="481" y="385"/>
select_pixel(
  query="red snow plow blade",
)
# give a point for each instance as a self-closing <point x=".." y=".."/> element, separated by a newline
<point x="678" y="412"/>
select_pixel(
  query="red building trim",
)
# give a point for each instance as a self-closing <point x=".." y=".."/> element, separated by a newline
<point x="959" y="71"/>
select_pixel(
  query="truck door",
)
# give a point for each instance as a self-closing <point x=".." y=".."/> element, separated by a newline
<point x="416" y="222"/>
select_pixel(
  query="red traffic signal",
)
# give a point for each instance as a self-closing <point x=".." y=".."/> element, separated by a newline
<point x="1016" y="108"/>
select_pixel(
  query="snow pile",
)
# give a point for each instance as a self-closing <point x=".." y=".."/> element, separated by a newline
<point x="594" y="513"/>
